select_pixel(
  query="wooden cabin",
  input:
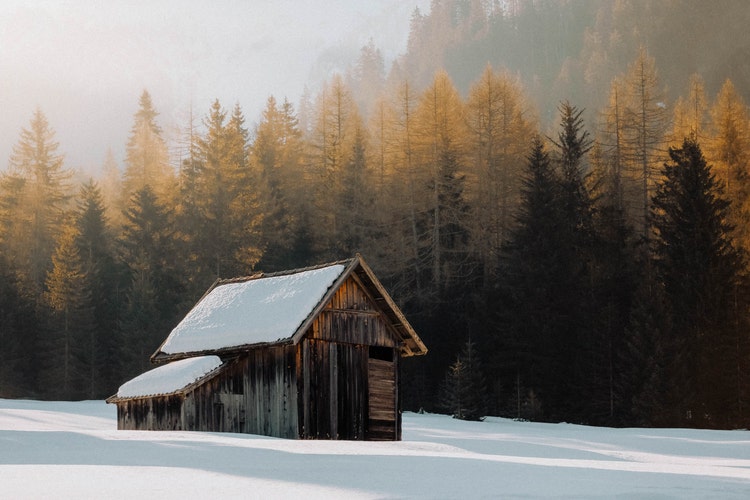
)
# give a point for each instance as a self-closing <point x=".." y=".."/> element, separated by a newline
<point x="310" y="354"/>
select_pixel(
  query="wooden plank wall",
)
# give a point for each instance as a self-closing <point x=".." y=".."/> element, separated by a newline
<point x="150" y="414"/>
<point x="334" y="371"/>
<point x="333" y="393"/>
<point x="352" y="317"/>
<point x="257" y="394"/>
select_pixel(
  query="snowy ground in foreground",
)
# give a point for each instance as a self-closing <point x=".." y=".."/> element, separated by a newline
<point x="73" y="450"/>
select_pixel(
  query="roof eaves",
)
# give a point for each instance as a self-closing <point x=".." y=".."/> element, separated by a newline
<point x="412" y="344"/>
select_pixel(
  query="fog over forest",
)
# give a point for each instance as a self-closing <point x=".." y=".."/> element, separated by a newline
<point x="556" y="193"/>
<point x="86" y="62"/>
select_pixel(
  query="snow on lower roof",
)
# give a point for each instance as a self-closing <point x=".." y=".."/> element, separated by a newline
<point x="169" y="378"/>
<point x="251" y="312"/>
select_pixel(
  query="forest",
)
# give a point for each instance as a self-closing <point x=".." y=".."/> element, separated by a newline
<point x="555" y="193"/>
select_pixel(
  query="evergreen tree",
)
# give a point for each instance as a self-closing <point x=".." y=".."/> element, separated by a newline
<point x="368" y="76"/>
<point x="578" y="348"/>
<point x="528" y="302"/>
<point x="18" y="332"/>
<point x="110" y="185"/>
<point x="701" y="272"/>
<point x="277" y="153"/>
<point x="96" y="252"/>
<point x="464" y="390"/>
<point x="224" y="240"/>
<point x="357" y="199"/>
<point x="245" y="215"/>
<point x="35" y="193"/>
<point x="154" y="291"/>
<point x="146" y="161"/>
<point x="642" y="388"/>
<point x="69" y="346"/>
<point x="549" y="282"/>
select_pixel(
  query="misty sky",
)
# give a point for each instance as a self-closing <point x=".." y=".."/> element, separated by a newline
<point x="84" y="63"/>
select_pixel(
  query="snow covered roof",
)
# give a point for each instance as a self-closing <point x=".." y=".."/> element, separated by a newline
<point x="274" y="308"/>
<point x="169" y="378"/>
<point x="254" y="311"/>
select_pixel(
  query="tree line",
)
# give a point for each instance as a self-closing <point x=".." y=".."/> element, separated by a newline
<point x="590" y="276"/>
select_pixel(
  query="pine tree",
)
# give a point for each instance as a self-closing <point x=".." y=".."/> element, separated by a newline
<point x="146" y="161"/>
<point x="245" y="216"/>
<point x="35" y="193"/>
<point x="221" y="222"/>
<point x="368" y="76"/>
<point x="701" y="272"/>
<point x="642" y="380"/>
<point x="96" y="251"/>
<point x="277" y="153"/>
<point x="527" y="305"/>
<point x="154" y="290"/>
<point x="548" y="300"/>
<point x="110" y="184"/>
<point x="464" y="390"/>
<point x="69" y="346"/>
<point x="579" y="348"/>
<point x="18" y="332"/>
<point x="356" y="200"/>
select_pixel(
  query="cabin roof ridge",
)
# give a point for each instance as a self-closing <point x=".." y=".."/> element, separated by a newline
<point x="288" y="272"/>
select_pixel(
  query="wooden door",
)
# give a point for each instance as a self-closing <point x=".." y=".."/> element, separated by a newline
<point x="382" y="397"/>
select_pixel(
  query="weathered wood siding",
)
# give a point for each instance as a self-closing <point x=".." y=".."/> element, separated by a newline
<point x="150" y="414"/>
<point x="256" y="394"/>
<point x="352" y="317"/>
<point x="337" y="389"/>
<point x="333" y="393"/>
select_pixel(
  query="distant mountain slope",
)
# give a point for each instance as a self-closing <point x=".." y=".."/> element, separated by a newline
<point x="572" y="49"/>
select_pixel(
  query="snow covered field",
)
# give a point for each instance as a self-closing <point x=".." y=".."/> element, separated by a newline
<point x="73" y="450"/>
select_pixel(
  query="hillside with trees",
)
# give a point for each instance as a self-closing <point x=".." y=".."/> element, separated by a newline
<point x="556" y="193"/>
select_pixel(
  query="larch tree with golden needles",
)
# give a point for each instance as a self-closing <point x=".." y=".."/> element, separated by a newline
<point x="336" y="124"/>
<point x="729" y="150"/>
<point x="35" y="192"/>
<point x="690" y="113"/>
<point x="646" y="122"/>
<point x="396" y="136"/>
<point x="610" y="149"/>
<point x="66" y="359"/>
<point x="277" y="155"/>
<point x="499" y="123"/>
<point x="441" y="139"/>
<point x="146" y="160"/>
